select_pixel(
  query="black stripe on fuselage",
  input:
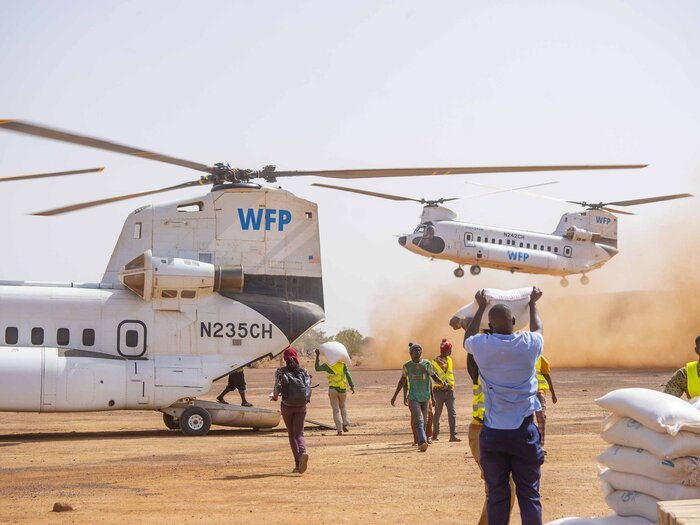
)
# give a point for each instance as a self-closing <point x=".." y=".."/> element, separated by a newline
<point x="293" y="303"/>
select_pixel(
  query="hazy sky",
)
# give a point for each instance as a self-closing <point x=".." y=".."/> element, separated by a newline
<point x="309" y="85"/>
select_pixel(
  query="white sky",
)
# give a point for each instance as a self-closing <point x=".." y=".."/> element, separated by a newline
<point x="309" y="85"/>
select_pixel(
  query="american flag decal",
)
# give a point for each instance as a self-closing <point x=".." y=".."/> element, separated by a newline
<point x="314" y="259"/>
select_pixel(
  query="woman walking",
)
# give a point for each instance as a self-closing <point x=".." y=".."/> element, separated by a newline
<point x="293" y="383"/>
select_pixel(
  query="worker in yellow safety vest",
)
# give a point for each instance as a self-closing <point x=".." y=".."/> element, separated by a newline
<point x="544" y="383"/>
<point x="444" y="396"/>
<point x="339" y="379"/>
<point x="478" y="411"/>
<point x="686" y="380"/>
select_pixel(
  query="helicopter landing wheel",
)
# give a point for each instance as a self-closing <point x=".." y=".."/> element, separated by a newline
<point x="171" y="422"/>
<point x="459" y="272"/>
<point x="584" y="279"/>
<point x="475" y="270"/>
<point x="564" y="282"/>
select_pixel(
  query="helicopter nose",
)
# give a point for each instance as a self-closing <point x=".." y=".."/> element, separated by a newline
<point x="402" y="240"/>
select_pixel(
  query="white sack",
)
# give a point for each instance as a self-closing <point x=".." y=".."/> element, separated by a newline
<point x="517" y="300"/>
<point x="636" y="483"/>
<point x="334" y="351"/>
<point x="633" y="504"/>
<point x="613" y="519"/>
<point x="683" y="470"/>
<point x="631" y="433"/>
<point x="652" y="409"/>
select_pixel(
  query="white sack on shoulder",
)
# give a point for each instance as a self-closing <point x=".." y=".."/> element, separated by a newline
<point x="334" y="351"/>
<point x="633" y="504"/>
<point x="652" y="409"/>
<point x="636" y="483"/>
<point x="613" y="519"/>
<point x="683" y="470"/>
<point x="517" y="300"/>
<point x="631" y="433"/>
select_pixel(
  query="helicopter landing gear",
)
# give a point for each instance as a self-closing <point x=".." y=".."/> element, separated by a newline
<point x="459" y="272"/>
<point x="585" y="279"/>
<point x="564" y="282"/>
<point x="475" y="270"/>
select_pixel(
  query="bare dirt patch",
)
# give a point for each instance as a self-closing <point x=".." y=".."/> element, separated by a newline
<point x="123" y="467"/>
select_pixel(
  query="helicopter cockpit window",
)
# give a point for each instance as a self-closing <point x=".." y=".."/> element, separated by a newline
<point x="37" y="336"/>
<point x="11" y="335"/>
<point x="188" y="294"/>
<point x="420" y="228"/>
<point x="169" y="294"/>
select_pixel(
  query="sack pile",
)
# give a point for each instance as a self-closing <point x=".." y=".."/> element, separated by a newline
<point x="654" y="453"/>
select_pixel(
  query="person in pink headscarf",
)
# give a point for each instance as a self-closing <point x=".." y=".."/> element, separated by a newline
<point x="293" y="383"/>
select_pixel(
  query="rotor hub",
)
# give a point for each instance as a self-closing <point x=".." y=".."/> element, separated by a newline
<point x="223" y="172"/>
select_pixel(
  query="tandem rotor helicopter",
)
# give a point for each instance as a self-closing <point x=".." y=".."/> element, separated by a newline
<point x="582" y="241"/>
<point x="194" y="289"/>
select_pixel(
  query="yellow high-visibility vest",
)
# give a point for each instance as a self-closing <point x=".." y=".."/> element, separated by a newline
<point x="542" y="383"/>
<point x="337" y="379"/>
<point x="691" y="371"/>
<point x="446" y="375"/>
<point x="478" y="402"/>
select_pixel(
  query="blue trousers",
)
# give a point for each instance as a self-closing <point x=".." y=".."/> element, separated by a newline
<point x="419" y="409"/>
<point x="517" y="453"/>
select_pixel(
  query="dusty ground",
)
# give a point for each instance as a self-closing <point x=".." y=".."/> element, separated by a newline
<point x="124" y="467"/>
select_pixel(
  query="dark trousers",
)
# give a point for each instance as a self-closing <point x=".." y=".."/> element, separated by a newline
<point x="517" y="453"/>
<point x="444" y="397"/>
<point x="294" y="421"/>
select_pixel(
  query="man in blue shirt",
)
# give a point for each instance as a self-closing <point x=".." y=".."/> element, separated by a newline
<point x="509" y="440"/>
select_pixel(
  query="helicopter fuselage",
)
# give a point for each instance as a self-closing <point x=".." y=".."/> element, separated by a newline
<point x="575" y="247"/>
<point x="194" y="290"/>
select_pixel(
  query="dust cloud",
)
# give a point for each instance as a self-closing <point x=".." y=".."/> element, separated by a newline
<point x="652" y="327"/>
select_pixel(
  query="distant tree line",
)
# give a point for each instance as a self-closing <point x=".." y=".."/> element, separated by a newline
<point x="352" y="339"/>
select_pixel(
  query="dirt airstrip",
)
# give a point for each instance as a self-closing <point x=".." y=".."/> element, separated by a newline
<point x="125" y="467"/>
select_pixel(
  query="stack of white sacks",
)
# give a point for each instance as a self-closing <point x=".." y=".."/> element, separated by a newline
<point x="654" y="453"/>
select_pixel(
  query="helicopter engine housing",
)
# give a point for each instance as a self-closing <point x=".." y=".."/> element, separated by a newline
<point x="579" y="234"/>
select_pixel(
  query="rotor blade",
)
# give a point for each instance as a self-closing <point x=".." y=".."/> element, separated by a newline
<point x="54" y="174"/>
<point x="65" y="136"/>
<point x="83" y="205"/>
<point x="611" y="210"/>
<point x="634" y="202"/>
<point x="413" y="172"/>
<point x="370" y="193"/>
<point x="503" y="189"/>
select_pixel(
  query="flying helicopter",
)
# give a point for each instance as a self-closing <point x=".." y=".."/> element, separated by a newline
<point x="194" y="289"/>
<point x="582" y="241"/>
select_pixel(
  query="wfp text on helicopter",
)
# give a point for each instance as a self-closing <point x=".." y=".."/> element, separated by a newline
<point x="194" y="289"/>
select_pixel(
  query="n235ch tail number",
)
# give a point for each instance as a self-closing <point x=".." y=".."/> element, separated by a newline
<point x="237" y="330"/>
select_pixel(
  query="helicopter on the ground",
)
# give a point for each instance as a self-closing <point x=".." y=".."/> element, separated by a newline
<point x="582" y="241"/>
<point x="194" y="289"/>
